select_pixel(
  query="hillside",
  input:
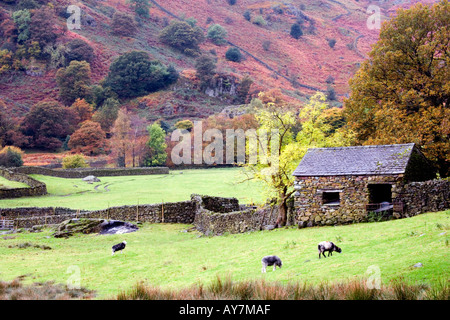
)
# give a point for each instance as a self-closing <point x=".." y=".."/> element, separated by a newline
<point x="299" y="67"/>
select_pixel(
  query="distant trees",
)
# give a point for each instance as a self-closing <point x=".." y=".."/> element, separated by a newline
<point x="296" y="31"/>
<point x="82" y="110"/>
<point x="217" y="34"/>
<point x="107" y="114"/>
<point x="182" y="36"/>
<point x="43" y="26"/>
<point x="134" y="74"/>
<point x="74" y="81"/>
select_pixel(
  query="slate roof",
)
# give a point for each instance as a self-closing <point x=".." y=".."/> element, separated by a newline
<point x="360" y="160"/>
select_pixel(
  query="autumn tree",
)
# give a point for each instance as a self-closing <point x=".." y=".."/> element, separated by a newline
<point x="89" y="139"/>
<point x="79" y="50"/>
<point x="401" y="94"/>
<point x="120" y="140"/>
<point x="82" y="110"/>
<point x="123" y="25"/>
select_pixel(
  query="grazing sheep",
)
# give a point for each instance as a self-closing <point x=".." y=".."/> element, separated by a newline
<point x="118" y="247"/>
<point x="328" y="246"/>
<point x="270" y="261"/>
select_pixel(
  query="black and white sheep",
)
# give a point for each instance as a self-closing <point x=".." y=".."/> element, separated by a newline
<point x="271" y="261"/>
<point x="327" y="246"/>
<point x="118" y="247"/>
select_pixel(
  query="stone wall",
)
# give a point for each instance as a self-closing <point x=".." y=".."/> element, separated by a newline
<point x="98" y="172"/>
<point x="217" y="223"/>
<point x="172" y="212"/>
<point x="428" y="196"/>
<point x="35" y="187"/>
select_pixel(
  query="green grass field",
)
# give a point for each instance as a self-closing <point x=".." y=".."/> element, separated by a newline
<point x="131" y="190"/>
<point x="162" y="255"/>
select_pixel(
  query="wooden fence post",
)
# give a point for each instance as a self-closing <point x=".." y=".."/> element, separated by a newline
<point x="162" y="212"/>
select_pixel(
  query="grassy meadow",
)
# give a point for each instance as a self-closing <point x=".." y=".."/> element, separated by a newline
<point x="162" y="255"/>
<point x="131" y="190"/>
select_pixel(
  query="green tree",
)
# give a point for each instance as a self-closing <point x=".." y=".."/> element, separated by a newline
<point x="182" y="36"/>
<point x="217" y="34"/>
<point x="401" y="94"/>
<point x="74" y="81"/>
<point x="205" y="67"/>
<point x="107" y="114"/>
<point x="22" y="19"/>
<point x="134" y="74"/>
<point x="156" y="146"/>
<point x="79" y="50"/>
<point x="11" y="156"/>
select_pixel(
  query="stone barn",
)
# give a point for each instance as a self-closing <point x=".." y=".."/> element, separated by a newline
<point x="356" y="184"/>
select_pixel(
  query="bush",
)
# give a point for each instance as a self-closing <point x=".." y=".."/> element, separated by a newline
<point x="217" y="34"/>
<point x="123" y="25"/>
<point x="332" y="43"/>
<point x="11" y="156"/>
<point x="182" y="36"/>
<point x="184" y="125"/>
<point x="205" y="67"/>
<point x="259" y="21"/>
<point x="233" y="54"/>
<point x="247" y="15"/>
<point x="74" y="161"/>
<point x="90" y="139"/>
<point x="296" y="31"/>
<point x="79" y="50"/>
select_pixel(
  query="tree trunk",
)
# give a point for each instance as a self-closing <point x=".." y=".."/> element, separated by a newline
<point x="282" y="214"/>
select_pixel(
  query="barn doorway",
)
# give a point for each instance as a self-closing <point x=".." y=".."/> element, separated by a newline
<point x="380" y="193"/>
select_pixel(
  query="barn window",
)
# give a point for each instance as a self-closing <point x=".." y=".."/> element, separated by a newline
<point x="331" y="197"/>
<point x="379" y="193"/>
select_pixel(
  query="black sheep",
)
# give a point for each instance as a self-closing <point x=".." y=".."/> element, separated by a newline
<point x="118" y="247"/>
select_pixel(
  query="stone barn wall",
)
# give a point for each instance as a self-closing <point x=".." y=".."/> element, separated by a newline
<point x="416" y="198"/>
<point x="354" y="195"/>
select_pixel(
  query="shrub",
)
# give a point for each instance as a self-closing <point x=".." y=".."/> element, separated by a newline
<point x="217" y="34"/>
<point x="332" y="43"/>
<point x="231" y="2"/>
<point x="184" y="125"/>
<point x="123" y="25"/>
<point x="259" y="21"/>
<point x="79" y="50"/>
<point x="296" y="31"/>
<point x="233" y="54"/>
<point x="11" y="156"/>
<point x="140" y="7"/>
<point x="74" y="161"/>
<point x="43" y="26"/>
<point x="266" y="45"/>
<point x="182" y="36"/>
<point x="247" y="15"/>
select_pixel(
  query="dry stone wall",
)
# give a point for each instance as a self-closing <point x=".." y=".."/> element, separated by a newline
<point x="99" y="172"/>
<point x="35" y="187"/>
